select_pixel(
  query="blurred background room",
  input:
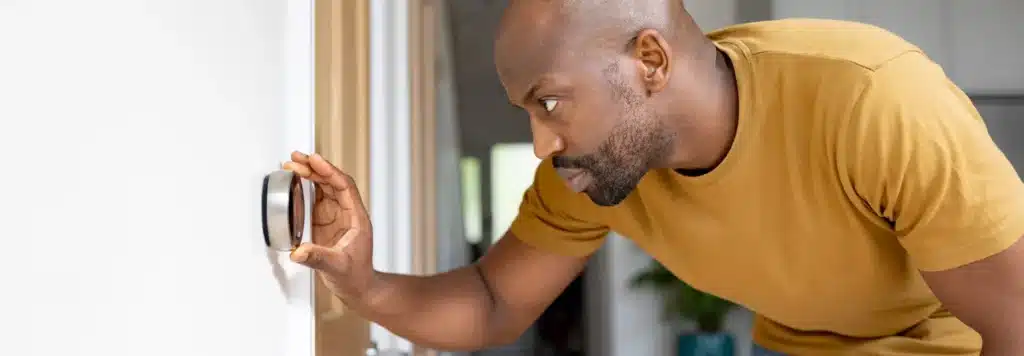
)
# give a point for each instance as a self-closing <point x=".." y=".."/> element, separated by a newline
<point x="135" y="136"/>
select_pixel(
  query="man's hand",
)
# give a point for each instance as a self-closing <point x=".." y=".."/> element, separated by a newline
<point x="342" y="248"/>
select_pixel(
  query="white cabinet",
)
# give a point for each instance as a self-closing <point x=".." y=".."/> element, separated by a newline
<point x="987" y="38"/>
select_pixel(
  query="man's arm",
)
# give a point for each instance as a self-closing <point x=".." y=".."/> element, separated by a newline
<point x="988" y="296"/>
<point x="485" y="304"/>
<point x="488" y="303"/>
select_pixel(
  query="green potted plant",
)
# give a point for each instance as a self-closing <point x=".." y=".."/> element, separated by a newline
<point x="683" y="302"/>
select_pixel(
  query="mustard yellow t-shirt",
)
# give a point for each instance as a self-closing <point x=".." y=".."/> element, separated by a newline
<point x="857" y="163"/>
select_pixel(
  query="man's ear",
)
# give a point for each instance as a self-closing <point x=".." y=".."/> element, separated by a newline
<point x="652" y="54"/>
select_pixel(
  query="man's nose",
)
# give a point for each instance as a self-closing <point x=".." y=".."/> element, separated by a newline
<point x="546" y="142"/>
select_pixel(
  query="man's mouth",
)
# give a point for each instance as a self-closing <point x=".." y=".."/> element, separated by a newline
<point x="577" y="179"/>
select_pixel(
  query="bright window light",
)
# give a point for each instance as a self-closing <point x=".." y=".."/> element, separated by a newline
<point x="512" y="169"/>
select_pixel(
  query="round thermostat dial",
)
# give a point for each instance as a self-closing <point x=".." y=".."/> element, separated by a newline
<point x="284" y="210"/>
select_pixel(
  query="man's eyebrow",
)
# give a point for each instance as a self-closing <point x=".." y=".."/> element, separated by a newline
<point x="526" y="97"/>
<point x="542" y="81"/>
<point x="531" y="91"/>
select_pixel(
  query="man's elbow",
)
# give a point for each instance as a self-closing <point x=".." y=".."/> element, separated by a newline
<point x="505" y="338"/>
<point x="501" y="333"/>
<point x="481" y="340"/>
<point x="491" y="331"/>
<point x="505" y="326"/>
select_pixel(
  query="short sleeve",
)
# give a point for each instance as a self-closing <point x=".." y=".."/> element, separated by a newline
<point x="554" y="218"/>
<point x="919" y="156"/>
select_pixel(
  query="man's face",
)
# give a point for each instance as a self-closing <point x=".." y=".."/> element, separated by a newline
<point x="633" y="141"/>
<point x="592" y="118"/>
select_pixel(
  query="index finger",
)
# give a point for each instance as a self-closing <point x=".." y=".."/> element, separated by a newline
<point x="348" y="193"/>
<point x="300" y="157"/>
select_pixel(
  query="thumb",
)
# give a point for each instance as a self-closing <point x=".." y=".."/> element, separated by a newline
<point x="320" y="258"/>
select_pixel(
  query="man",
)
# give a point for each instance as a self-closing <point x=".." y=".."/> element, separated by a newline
<point x="826" y="175"/>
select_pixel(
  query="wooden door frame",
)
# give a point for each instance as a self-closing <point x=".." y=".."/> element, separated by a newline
<point x="422" y="44"/>
<point x="423" y="23"/>
<point x="423" y="32"/>
<point x="342" y="136"/>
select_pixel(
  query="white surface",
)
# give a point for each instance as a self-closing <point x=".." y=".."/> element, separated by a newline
<point x="390" y="161"/>
<point x="513" y="167"/>
<point x="135" y="136"/>
<point x="471" y="205"/>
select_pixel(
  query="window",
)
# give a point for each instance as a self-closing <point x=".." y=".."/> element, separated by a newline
<point x="472" y="201"/>
<point x="512" y="170"/>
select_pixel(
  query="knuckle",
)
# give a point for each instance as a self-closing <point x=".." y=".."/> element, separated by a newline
<point x="338" y="268"/>
<point x="315" y="259"/>
<point x="351" y="182"/>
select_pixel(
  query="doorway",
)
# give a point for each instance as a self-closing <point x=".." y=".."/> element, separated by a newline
<point x="471" y="170"/>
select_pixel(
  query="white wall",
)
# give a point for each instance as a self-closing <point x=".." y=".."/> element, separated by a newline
<point x="134" y="136"/>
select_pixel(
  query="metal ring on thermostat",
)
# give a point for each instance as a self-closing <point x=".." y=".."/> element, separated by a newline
<point x="284" y="210"/>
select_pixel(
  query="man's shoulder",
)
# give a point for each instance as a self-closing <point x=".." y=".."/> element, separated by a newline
<point x="816" y="40"/>
<point x="826" y="71"/>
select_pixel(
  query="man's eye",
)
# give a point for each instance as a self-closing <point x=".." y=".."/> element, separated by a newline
<point x="549" y="104"/>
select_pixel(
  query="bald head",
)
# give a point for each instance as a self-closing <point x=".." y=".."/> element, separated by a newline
<point x="533" y="34"/>
<point x="587" y="24"/>
<point x="594" y="77"/>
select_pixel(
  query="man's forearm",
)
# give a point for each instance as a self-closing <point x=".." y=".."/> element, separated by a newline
<point x="452" y="311"/>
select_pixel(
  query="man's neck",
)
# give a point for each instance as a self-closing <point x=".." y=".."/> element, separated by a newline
<point x="705" y="141"/>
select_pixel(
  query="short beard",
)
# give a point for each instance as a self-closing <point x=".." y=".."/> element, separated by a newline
<point x="623" y="160"/>
<point x="635" y="145"/>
